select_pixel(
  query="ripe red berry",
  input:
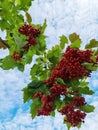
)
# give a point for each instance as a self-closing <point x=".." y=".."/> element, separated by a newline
<point x="16" y="56"/>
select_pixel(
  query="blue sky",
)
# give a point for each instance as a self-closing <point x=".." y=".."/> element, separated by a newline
<point x="63" y="17"/>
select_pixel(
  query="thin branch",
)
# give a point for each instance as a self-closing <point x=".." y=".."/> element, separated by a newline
<point x="4" y="42"/>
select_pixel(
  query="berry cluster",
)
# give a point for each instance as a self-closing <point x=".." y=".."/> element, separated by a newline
<point x="16" y="56"/>
<point x="31" y="34"/>
<point x="47" y="101"/>
<point x="79" y="101"/>
<point x="47" y="105"/>
<point x="29" y="31"/>
<point x="74" y="116"/>
<point x="71" y="65"/>
<point x="57" y="90"/>
<point x="38" y="94"/>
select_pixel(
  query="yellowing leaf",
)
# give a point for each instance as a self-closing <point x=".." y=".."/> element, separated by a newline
<point x="75" y="40"/>
<point x="93" y="43"/>
<point x="73" y="37"/>
<point x="28" y="17"/>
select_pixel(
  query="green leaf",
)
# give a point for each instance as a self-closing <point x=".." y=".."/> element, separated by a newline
<point x="86" y="90"/>
<point x="20" y="67"/>
<point x="28" y="17"/>
<point x="93" y="43"/>
<point x="43" y="27"/>
<point x="35" y="84"/>
<point x="75" y="40"/>
<point x="20" y="42"/>
<point x="73" y="82"/>
<point x="76" y="44"/>
<point x="60" y="81"/>
<point x="87" y="108"/>
<point x="8" y="63"/>
<point x="79" y="125"/>
<point x="27" y="95"/>
<point x="52" y="113"/>
<point x="90" y="66"/>
<point x="41" y="40"/>
<point x="34" y="107"/>
<point x="93" y="58"/>
<point x="54" y="55"/>
<point x="83" y="83"/>
<point x="35" y="71"/>
<point x="63" y="41"/>
<point x="32" y="88"/>
<point x="73" y="37"/>
<point x="96" y="52"/>
<point x="68" y="125"/>
<point x="38" y="86"/>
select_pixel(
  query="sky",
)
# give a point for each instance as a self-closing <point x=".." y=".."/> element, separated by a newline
<point x="63" y="17"/>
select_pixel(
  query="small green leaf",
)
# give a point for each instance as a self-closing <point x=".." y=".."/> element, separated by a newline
<point x="52" y="113"/>
<point x="8" y="63"/>
<point x="79" y="125"/>
<point x="20" y="42"/>
<point x="27" y="95"/>
<point x="41" y="40"/>
<point x="76" y="44"/>
<point x="93" y="58"/>
<point x="87" y="108"/>
<point x="60" y="81"/>
<point x="73" y="37"/>
<point x="20" y="67"/>
<point x="54" y="55"/>
<point x="28" y="17"/>
<point x="34" y="107"/>
<point x="43" y="27"/>
<point x="35" y="84"/>
<point x="83" y="84"/>
<point x="90" y="66"/>
<point x="68" y="125"/>
<point x="96" y="52"/>
<point x="63" y="41"/>
<point x="75" y="40"/>
<point x="93" y="43"/>
<point x="86" y="90"/>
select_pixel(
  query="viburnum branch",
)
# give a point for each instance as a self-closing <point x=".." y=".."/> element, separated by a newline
<point x="4" y="42"/>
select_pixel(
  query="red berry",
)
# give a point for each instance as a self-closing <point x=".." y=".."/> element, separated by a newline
<point x="16" y="56"/>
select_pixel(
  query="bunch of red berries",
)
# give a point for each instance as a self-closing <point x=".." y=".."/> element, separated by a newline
<point x="47" y="105"/>
<point x="71" y="65"/>
<point x="31" y="34"/>
<point x="48" y="100"/>
<point x="74" y="116"/>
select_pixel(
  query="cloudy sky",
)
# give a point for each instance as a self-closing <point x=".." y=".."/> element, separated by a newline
<point x="63" y="17"/>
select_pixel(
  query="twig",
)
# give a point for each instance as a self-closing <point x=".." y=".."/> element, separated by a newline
<point x="4" y="42"/>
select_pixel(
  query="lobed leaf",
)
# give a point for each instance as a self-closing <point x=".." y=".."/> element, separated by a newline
<point x="75" y="40"/>
<point x="63" y="41"/>
<point x="87" y="108"/>
<point x="93" y="43"/>
<point x="36" y="104"/>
